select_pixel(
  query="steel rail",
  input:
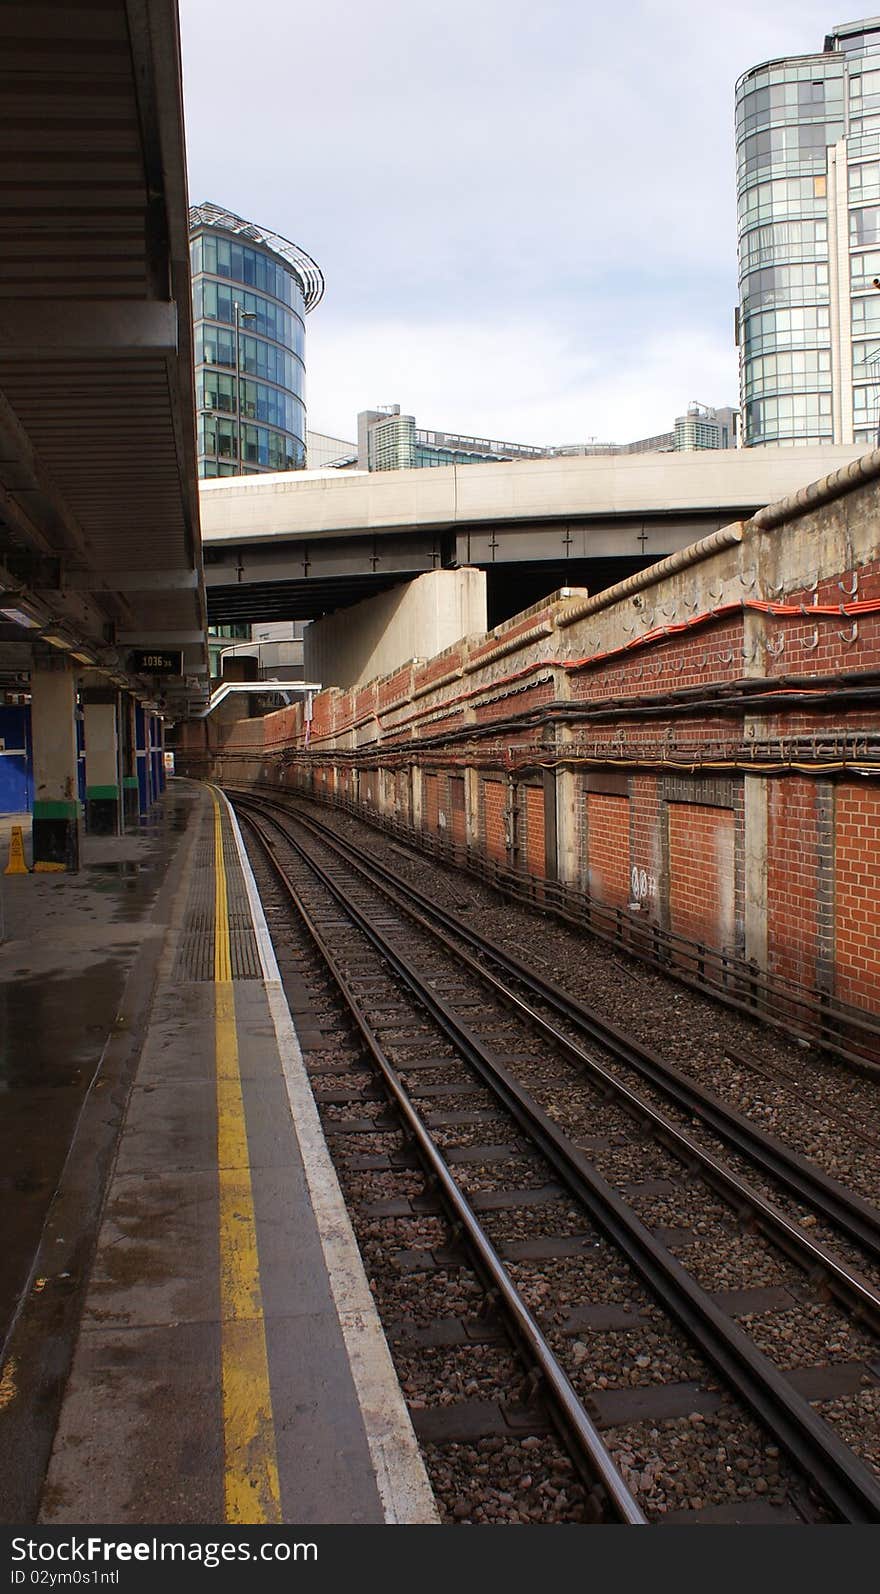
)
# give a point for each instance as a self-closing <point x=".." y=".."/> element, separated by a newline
<point x="561" y="1394"/>
<point x="770" y="994"/>
<point x="850" y="1212"/>
<point x="846" y="1483"/>
<point x="644" y="941"/>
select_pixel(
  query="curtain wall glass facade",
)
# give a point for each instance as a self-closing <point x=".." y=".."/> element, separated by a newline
<point x="251" y="292"/>
<point x="808" y="188"/>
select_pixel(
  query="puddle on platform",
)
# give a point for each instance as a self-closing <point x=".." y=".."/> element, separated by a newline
<point x="53" y="1028"/>
<point x="52" y="1033"/>
<point x="133" y="881"/>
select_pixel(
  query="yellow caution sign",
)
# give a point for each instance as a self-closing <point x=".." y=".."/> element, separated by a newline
<point x="16" y="864"/>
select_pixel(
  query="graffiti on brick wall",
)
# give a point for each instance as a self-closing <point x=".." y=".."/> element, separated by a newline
<point x="642" y="884"/>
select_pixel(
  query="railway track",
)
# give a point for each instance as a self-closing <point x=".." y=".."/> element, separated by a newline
<point x="722" y="1108"/>
<point x="795" y="1088"/>
<point x="497" y="1044"/>
<point x="846" y="1212"/>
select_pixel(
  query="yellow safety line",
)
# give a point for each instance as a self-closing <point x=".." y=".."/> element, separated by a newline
<point x="251" y="1487"/>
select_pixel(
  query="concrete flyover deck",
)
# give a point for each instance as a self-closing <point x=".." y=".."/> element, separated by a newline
<point x="297" y="545"/>
<point x="229" y="1365"/>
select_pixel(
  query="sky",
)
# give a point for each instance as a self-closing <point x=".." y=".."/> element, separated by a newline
<point x="525" y="213"/>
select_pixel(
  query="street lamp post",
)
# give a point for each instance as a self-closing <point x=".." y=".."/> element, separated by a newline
<point x="240" y="315"/>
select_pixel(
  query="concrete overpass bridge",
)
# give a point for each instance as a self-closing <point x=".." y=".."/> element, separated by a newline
<point x="299" y="545"/>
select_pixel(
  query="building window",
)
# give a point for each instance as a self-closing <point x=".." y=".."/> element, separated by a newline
<point x="780" y="285"/>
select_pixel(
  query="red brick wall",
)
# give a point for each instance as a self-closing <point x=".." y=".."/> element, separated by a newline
<point x="857" y="895"/>
<point x="608" y="848"/>
<point x="646" y="843"/>
<point x="430" y="804"/>
<point x="520" y="625"/>
<point x="532" y="850"/>
<point x="701" y="873"/>
<point x="684" y="860"/>
<point x="792" y="842"/>
<point x="457" y="820"/>
<point x="437" y="668"/>
<point x="493" y="819"/>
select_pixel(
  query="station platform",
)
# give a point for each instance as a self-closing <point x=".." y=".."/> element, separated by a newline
<point x="195" y="1341"/>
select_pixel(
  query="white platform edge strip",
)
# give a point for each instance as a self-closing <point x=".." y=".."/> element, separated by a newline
<point x="401" y="1479"/>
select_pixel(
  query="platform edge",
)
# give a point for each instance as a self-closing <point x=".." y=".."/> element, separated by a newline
<point x="401" y="1479"/>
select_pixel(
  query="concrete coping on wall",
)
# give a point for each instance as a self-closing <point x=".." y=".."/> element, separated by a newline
<point x="572" y="606"/>
<point x="856" y="474"/>
<point x="725" y="537"/>
<point x="510" y="644"/>
<point x="557" y="599"/>
<point x="433" y="686"/>
<point x="510" y="637"/>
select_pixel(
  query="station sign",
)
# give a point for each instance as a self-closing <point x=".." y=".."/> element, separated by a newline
<point x="156" y="661"/>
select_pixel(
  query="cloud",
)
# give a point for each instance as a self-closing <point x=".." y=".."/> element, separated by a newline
<point x="525" y="214"/>
<point x="545" y="386"/>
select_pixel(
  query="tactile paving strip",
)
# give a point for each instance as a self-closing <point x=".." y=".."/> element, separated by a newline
<point x="243" y="950"/>
<point x="195" y="955"/>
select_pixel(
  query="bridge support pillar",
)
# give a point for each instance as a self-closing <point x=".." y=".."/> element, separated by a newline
<point x="415" y="776"/>
<point x="755" y="796"/>
<point x="128" y="741"/>
<point x="755" y="790"/>
<point x="142" y="760"/>
<point x="157" y="753"/>
<point x="56" y="820"/>
<point x="103" y="774"/>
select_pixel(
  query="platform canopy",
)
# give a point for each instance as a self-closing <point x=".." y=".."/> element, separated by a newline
<point x="100" y="551"/>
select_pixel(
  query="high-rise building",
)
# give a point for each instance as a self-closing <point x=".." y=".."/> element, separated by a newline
<point x="324" y="451"/>
<point x="704" y="427"/>
<point x="251" y="292"/>
<point x="388" y="440"/>
<point x="808" y="186"/>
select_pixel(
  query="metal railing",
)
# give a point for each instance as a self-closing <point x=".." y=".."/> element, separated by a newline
<point x="847" y="1032"/>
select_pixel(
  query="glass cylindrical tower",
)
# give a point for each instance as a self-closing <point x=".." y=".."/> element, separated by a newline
<point x="808" y="185"/>
<point x="251" y="292"/>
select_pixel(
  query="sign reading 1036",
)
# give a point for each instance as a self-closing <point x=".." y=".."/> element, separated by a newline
<point x="155" y="661"/>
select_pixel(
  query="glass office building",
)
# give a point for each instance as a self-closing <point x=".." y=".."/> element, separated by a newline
<point x="251" y="292"/>
<point x="388" y="440"/>
<point x="808" y="189"/>
<point x="704" y="427"/>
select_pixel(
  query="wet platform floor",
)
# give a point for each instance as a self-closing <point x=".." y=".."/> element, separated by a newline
<point x="78" y="957"/>
<point x="69" y="944"/>
<point x="178" y="1211"/>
